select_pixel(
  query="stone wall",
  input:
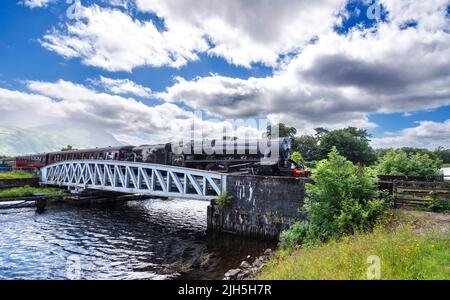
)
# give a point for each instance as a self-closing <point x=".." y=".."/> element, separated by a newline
<point x="11" y="183"/>
<point x="261" y="207"/>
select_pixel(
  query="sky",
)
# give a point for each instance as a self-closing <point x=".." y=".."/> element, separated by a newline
<point x="144" y="70"/>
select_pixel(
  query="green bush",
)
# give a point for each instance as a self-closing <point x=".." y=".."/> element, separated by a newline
<point x="403" y="164"/>
<point x="311" y="164"/>
<point x="297" y="157"/>
<point x="224" y="200"/>
<point x="437" y="204"/>
<point x="343" y="200"/>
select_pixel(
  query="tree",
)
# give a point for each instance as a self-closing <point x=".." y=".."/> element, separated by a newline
<point x="308" y="146"/>
<point x="351" y="142"/>
<point x="283" y="130"/>
<point x="343" y="199"/>
<point x="320" y="132"/>
<point x="68" y="148"/>
<point x="297" y="157"/>
<point x="442" y="154"/>
<point x="399" y="162"/>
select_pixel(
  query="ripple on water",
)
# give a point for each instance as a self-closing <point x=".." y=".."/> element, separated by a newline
<point x="153" y="239"/>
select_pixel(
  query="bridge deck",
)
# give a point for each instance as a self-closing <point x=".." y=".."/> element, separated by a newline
<point x="135" y="178"/>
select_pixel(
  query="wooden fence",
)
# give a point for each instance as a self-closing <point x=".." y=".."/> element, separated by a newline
<point x="420" y="194"/>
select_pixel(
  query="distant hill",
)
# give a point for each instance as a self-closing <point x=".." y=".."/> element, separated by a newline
<point x="18" y="141"/>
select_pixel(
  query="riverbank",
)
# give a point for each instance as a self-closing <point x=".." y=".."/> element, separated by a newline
<point x="15" y="175"/>
<point x="30" y="191"/>
<point x="410" y="245"/>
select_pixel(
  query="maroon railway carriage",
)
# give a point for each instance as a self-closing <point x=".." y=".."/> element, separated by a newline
<point x="37" y="161"/>
<point x="29" y="162"/>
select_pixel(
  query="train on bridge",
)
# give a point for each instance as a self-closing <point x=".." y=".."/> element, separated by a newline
<point x="256" y="157"/>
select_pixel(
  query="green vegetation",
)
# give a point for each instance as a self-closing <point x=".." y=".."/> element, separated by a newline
<point x="29" y="191"/>
<point x="16" y="175"/>
<point x="401" y="163"/>
<point x="410" y="246"/>
<point x="351" y="142"/>
<point x="437" y="203"/>
<point x="402" y="255"/>
<point x="68" y="148"/>
<point x="297" y="157"/>
<point x="344" y="199"/>
<point x="224" y="200"/>
<point x="282" y="129"/>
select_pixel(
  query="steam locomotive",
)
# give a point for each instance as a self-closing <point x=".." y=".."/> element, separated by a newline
<point x="256" y="157"/>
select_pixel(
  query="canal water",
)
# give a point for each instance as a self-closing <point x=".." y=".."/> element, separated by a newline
<point x="152" y="239"/>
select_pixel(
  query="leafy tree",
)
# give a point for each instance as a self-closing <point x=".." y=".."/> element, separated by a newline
<point x="283" y="129"/>
<point x="343" y="199"/>
<point x="399" y="162"/>
<point x="297" y="157"/>
<point x="442" y="154"/>
<point x="351" y="142"/>
<point x="68" y="148"/>
<point x="320" y="132"/>
<point x="308" y="146"/>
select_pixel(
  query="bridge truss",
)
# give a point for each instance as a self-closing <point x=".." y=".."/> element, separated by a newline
<point x="135" y="178"/>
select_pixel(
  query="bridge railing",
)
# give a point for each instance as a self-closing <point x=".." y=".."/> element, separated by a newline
<point x="136" y="178"/>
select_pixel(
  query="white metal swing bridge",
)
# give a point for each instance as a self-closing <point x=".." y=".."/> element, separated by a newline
<point x="135" y="178"/>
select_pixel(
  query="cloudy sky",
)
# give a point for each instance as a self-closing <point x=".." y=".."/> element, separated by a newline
<point x="143" y="69"/>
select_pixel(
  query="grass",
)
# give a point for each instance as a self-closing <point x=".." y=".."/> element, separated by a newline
<point x="29" y="191"/>
<point x="410" y="246"/>
<point x="16" y="175"/>
<point x="446" y="165"/>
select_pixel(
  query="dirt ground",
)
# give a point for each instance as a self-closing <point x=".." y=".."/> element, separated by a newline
<point x="423" y="221"/>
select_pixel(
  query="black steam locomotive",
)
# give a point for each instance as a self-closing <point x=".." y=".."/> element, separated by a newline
<point x="256" y="157"/>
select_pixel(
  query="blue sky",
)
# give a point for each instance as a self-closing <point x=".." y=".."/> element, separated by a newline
<point x="231" y="60"/>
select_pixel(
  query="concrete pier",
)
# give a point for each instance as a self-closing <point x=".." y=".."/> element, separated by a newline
<point x="260" y="206"/>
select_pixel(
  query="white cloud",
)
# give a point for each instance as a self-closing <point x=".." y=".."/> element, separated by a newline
<point x="122" y="86"/>
<point x="37" y="3"/>
<point x="241" y="31"/>
<point x="244" y="32"/>
<point x="427" y="134"/>
<point x="113" y="40"/>
<point x="64" y="102"/>
<point x="340" y="80"/>
<point x="336" y="81"/>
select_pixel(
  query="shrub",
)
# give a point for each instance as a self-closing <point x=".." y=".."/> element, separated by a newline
<point x="224" y="200"/>
<point x="297" y="157"/>
<point x="437" y="204"/>
<point x="311" y="164"/>
<point x="343" y="200"/>
<point x="403" y="164"/>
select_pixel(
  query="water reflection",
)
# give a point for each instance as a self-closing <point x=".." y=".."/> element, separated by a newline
<point x="152" y="239"/>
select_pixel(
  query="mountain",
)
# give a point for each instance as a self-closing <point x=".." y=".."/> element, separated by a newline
<point x="18" y="141"/>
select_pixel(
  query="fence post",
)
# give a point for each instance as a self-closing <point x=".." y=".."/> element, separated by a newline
<point x="394" y="192"/>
